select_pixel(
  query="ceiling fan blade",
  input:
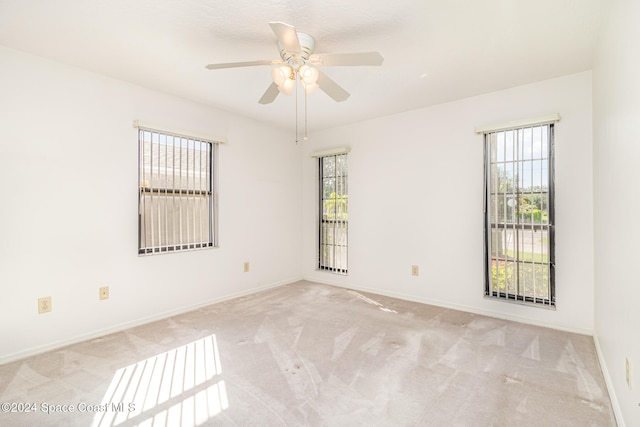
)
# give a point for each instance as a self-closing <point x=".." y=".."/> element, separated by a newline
<point x="242" y="64"/>
<point x="287" y="36"/>
<point x="336" y="59"/>
<point x="331" y="88"/>
<point x="270" y="94"/>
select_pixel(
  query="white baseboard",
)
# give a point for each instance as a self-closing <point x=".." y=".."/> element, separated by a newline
<point x="126" y="325"/>
<point x="615" y="405"/>
<point x="453" y="306"/>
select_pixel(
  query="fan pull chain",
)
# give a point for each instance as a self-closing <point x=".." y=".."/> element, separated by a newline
<point x="305" y="115"/>
<point x="297" y="140"/>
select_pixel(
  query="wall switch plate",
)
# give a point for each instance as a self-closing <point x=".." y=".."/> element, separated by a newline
<point x="44" y="305"/>
<point x="246" y="267"/>
<point x="414" y="270"/>
<point x="104" y="292"/>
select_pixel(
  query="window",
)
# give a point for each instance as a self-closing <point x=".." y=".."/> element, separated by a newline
<point x="176" y="209"/>
<point x="519" y="215"/>
<point x="333" y="213"/>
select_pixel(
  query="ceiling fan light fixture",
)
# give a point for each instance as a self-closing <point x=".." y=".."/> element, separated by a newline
<point x="281" y="74"/>
<point x="308" y="74"/>
<point x="287" y="86"/>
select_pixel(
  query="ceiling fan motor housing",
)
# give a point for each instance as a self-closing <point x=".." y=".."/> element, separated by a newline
<point x="296" y="59"/>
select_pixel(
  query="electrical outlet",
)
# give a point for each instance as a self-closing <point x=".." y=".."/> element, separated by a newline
<point x="104" y="292"/>
<point x="44" y="305"/>
<point x="415" y="270"/>
<point x="628" y="373"/>
<point x="246" y="267"/>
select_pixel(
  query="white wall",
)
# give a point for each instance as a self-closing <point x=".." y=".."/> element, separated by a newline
<point x="415" y="197"/>
<point x="68" y="197"/>
<point x="616" y="104"/>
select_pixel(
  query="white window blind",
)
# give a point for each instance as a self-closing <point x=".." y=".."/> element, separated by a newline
<point x="334" y="213"/>
<point x="519" y="214"/>
<point x="177" y="192"/>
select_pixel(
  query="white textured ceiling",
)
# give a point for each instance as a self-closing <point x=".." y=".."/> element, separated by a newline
<point x="435" y="50"/>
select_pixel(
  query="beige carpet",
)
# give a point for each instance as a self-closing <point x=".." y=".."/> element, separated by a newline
<point x="307" y="354"/>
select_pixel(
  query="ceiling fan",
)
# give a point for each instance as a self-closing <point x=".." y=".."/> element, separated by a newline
<point x="299" y="62"/>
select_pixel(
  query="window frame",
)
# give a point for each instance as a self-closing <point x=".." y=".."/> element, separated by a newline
<point x="520" y="296"/>
<point x="147" y="190"/>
